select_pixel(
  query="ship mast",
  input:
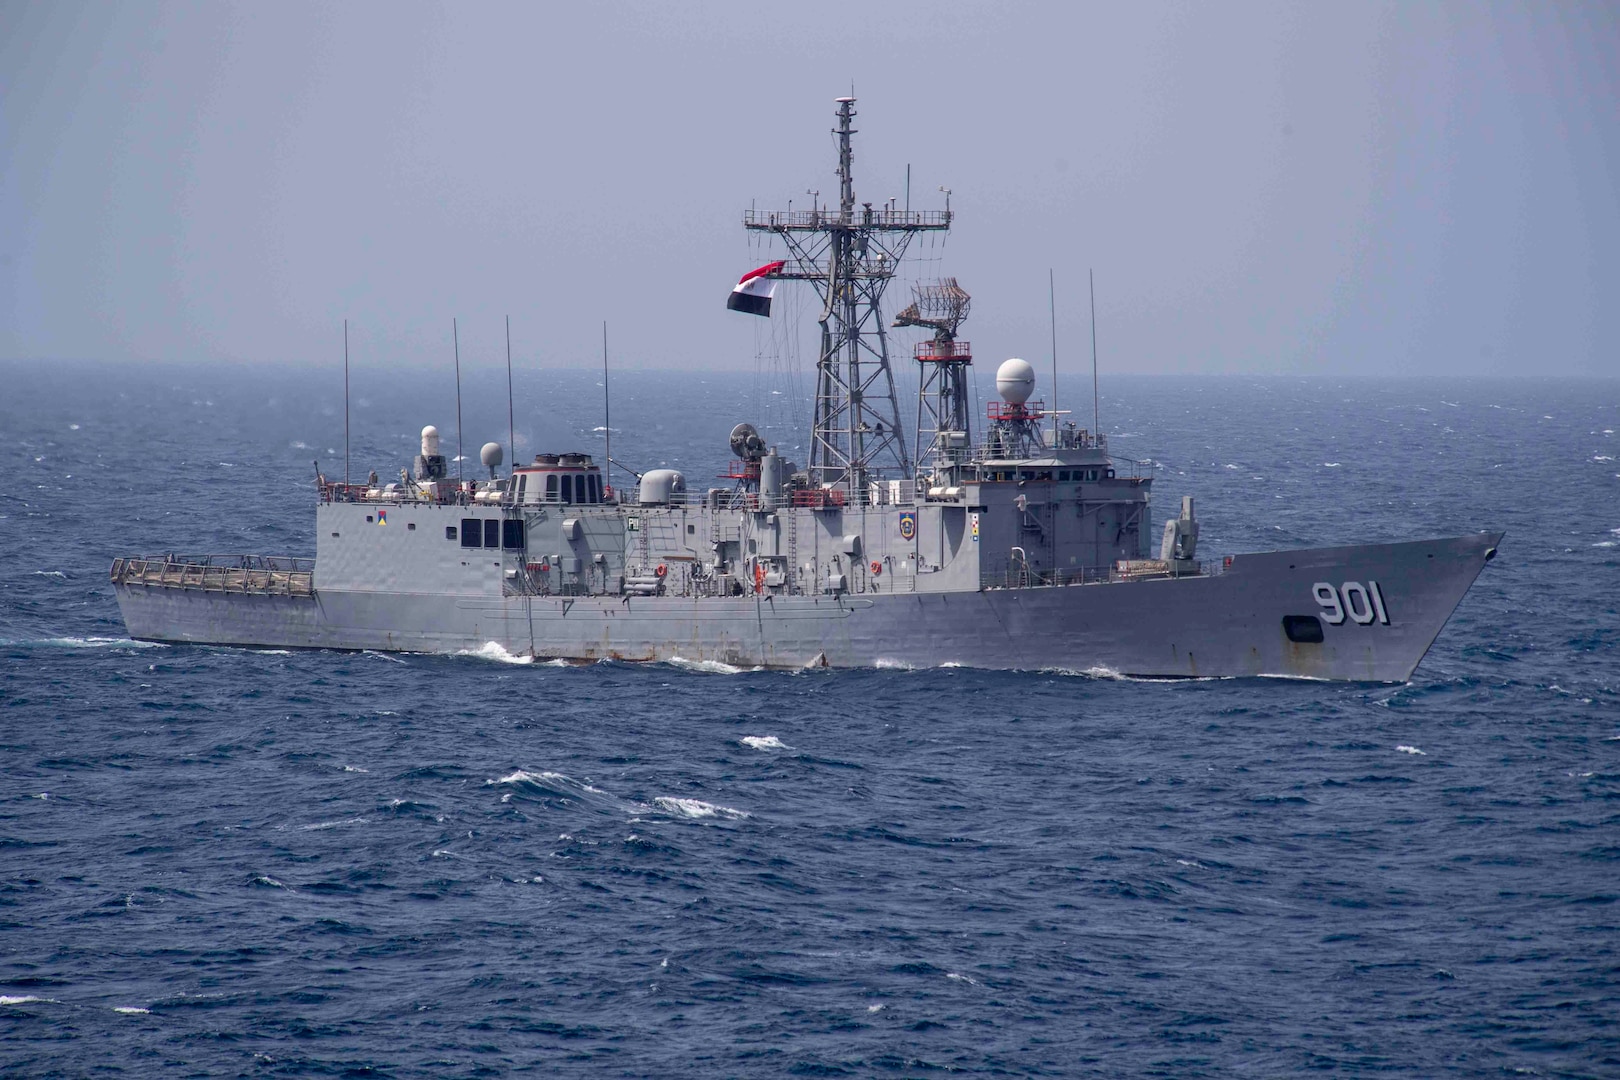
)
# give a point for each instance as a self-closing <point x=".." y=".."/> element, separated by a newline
<point x="849" y="255"/>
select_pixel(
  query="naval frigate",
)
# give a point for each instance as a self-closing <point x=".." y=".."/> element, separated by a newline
<point x="1022" y="545"/>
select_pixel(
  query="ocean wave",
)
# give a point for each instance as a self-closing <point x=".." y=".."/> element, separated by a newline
<point x="131" y="1010"/>
<point x="710" y="667"/>
<point x="375" y="655"/>
<point x="1411" y="750"/>
<point x="26" y="999"/>
<point x="50" y="573"/>
<point x="885" y="664"/>
<point x="494" y="650"/>
<point x="336" y="824"/>
<point x="555" y="783"/>
<point x="91" y="642"/>
<point x="764" y="742"/>
<point x="697" y="808"/>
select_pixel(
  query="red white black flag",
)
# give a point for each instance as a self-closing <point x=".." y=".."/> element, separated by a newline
<point x="752" y="296"/>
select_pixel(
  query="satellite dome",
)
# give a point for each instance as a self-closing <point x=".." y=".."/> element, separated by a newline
<point x="1015" y="381"/>
<point x="430" y="441"/>
<point x="490" y="455"/>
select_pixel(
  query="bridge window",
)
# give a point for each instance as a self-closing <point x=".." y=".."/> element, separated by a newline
<point x="471" y="532"/>
<point x="449" y="532"/>
<point x="512" y="534"/>
<point x="596" y="488"/>
<point x="492" y="534"/>
<point x="551" y="488"/>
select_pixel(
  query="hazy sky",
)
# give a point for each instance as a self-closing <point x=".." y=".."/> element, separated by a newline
<point x="1351" y="187"/>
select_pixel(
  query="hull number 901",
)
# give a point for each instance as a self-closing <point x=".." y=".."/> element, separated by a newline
<point x="1362" y="603"/>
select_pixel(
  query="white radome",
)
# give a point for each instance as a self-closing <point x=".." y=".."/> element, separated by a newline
<point x="1015" y="381"/>
<point x="430" y="441"/>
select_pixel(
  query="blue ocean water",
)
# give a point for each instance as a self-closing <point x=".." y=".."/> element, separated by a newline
<point x="252" y="862"/>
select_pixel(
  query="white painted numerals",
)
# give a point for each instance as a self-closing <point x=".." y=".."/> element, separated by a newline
<point x="1362" y="603"/>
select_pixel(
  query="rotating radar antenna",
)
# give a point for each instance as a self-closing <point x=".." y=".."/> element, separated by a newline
<point x="944" y="424"/>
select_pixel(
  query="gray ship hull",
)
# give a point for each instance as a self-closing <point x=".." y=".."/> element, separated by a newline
<point x="1378" y="609"/>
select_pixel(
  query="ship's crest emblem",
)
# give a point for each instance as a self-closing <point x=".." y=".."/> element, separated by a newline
<point x="382" y="517"/>
<point x="908" y="526"/>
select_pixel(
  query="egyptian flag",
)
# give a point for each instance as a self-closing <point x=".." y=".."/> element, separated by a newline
<point x="752" y="296"/>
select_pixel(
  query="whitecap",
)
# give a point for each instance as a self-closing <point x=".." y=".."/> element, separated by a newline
<point x="874" y="1008"/>
<point x="1195" y="864"/>
<point x="374" y="654"/>
<point x="1330" y="464"/>
<point x="1605" y="543"/>
<point x="764" y="742"/>
<point x="712" y="667"/>
<point x="73" y="427"/>
<point x="130" y="1010"/>
<point x="960" y="978"/>
<point x="336" y="824"/>
<point x="697" y="808"/>
<point x="24" y="999"/>
<point x="300" y="446"/>
<point x="1603" y="457"/>
<point x="50" y="573"/>
<point x="494" y="650"/>
<point x="1411" y="750"/>
<point x="264" y="879"/>
<point x="1234" y="466"/>
<point x="354" y="768"/>
<point x="92" y="643"/>
<point x="885" y="664"/>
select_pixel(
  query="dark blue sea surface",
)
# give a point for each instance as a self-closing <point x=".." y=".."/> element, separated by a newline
<point x="253" y="862"/>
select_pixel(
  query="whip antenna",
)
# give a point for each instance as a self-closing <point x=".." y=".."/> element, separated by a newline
<point x="1096" y="424"/>
<point x="511" y="425"/>
<point x="345" y="402"/>
<point x="607" y="407"/>
<point x="1051" y="300"/>
<point x="456" y="337"/>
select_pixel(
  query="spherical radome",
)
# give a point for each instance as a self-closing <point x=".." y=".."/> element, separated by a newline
<point x="1015" y="381"/>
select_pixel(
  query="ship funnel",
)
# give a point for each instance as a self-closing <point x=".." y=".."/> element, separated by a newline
<point x="1015" y="381"/>
<point x="430" y="441"/>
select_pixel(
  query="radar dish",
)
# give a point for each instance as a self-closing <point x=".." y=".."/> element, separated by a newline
<point x="746" y="443"/>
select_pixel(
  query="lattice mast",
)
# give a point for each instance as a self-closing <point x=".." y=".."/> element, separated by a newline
<point x="849" y="255"/>
<point x="944" y="428"/>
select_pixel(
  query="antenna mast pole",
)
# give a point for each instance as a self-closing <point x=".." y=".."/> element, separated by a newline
<point x="455" y="333"/>
<point x="511" y="424"/>
<point x="1096" y="422"/>
<point x="1051" y="300"/>
<point x="607" y="406"/>
<point x="849" y="255"/>
<point x="345" y="402"/>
